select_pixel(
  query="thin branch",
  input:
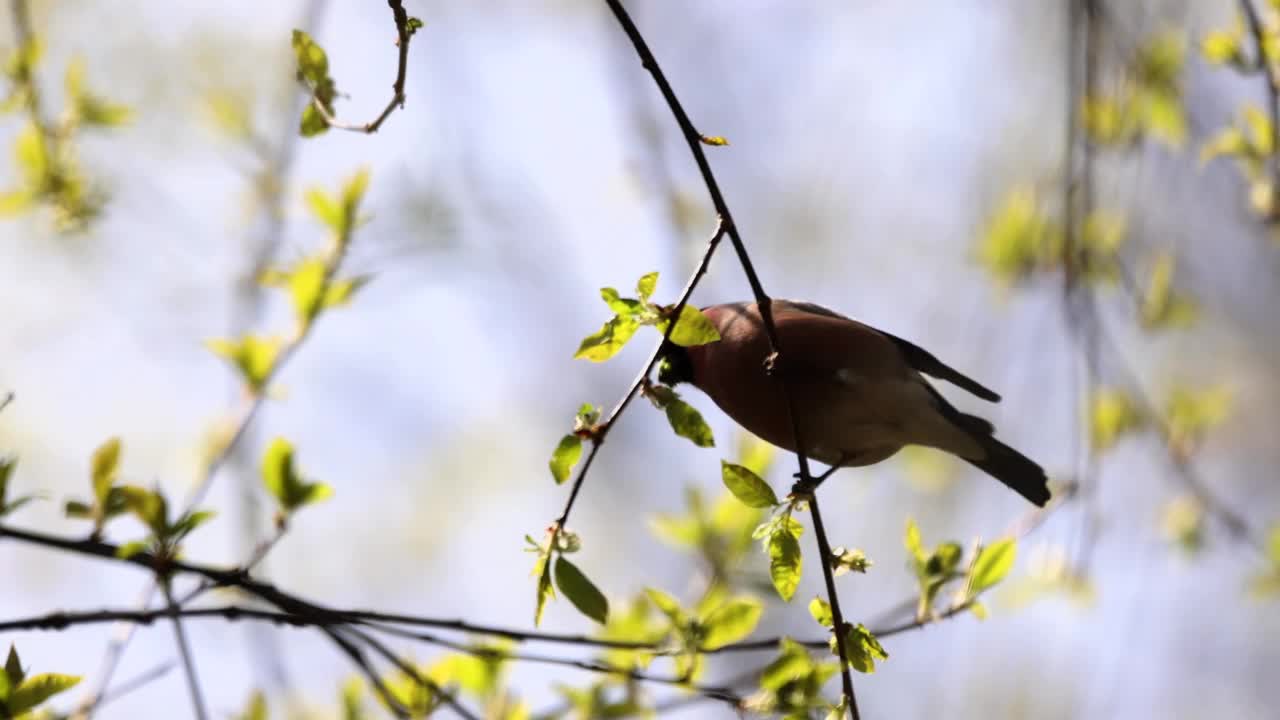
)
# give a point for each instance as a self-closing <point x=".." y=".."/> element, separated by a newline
<point x="184" y="651"/>
<point x="128" y="686"/>
<point x="404" y="34"/>
<point x="1262" y="63"/>
<point x="694" y="139"/>
<point x="824" y="557"/>
<point x="408" y="669"/>
<point x="602" y="431"/>
<point x="4" y="402"/>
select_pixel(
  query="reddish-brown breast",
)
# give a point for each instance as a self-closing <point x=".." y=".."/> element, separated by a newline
<point x="833" y="367"/>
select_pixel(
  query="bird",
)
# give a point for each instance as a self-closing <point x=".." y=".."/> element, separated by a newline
<point x="859" y="393"/>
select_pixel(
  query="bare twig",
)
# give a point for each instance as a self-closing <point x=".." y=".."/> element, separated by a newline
<point x="404" y="34"/>
<point x="184" y="651"/>
<point x="4" y="401"/>
<point x="694" y="139"/>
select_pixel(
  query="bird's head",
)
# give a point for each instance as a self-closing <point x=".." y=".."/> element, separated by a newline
<point x="675" y="366"/>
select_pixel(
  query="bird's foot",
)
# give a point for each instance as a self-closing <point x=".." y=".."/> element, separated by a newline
<point x="804" y="487"/>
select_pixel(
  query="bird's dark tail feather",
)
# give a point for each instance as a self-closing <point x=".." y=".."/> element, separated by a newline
<point x="1014" y="469"/>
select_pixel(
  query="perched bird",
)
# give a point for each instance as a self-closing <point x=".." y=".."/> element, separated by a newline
<point x="859" y="393"/>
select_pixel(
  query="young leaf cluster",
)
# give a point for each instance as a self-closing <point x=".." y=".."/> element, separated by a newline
<point x="20" y="694"/>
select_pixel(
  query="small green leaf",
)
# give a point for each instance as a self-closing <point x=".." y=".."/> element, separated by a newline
<point x="105" y="467"/>
<point x="944" y="559"/>
<point x="565" y="456"/>
<point x="992" y="565"/>
<point x="913" y="542"/>
<point x="546" y="591"/>
<point x="731" y="622"/>
<point x="844" y="560"/>
<point x="312" y="123"/>
<point x="325" y="208"/>
<point x="646" y="285"/>
<point x="713" y="140"/>
<point x="149" y="506"/>
<point x="13" y="667"/>
<point x="256" y="709"/>
<point x="862" y="647"/>
<point x="77" y="509"/>
<point x="581" y="592"/>
<point x="340" y="292"/>
<point x="748" y="487"/>
<point x="1113" y="414"/>
<point x="608" y="340"/>
<point x="687" y="422"/>
<point x="784" y="563"/>
<point x="693" y="328"/>
<point x="353" y="192"/>
<point x="413" y="26"/>
<point x="252" y="355"/>
<point x="667" y="604"/>
<point x="129" y="549"/>
<point x="36" y="689"/>
<point x="625" y="307"/>
<point x="821" y="611"/>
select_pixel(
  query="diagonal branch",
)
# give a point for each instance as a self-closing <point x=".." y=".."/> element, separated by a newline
<point x="695" y="140"/>
<point x="184" y="651"/>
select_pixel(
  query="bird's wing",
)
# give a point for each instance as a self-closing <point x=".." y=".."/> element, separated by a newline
<point x="924" y="361"/>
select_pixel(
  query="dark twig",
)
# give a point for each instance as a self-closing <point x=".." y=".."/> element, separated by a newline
<point x="404" y="35"/>
<point x="602" y="431"/>
<point x="184" y="651"/>
<point x="1263" y="64"/>
<point x="694" y="139"/>
<point x="4" y="402"/>
<point x="824" y="557"/>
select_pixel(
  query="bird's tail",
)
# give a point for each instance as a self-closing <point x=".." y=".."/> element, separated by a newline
<point x="1012" y="468"/>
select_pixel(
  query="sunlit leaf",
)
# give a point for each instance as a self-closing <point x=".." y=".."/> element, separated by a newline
<point x="784" y="563"/>
<point x="692" y="329"/>
<point x="992" y="564"/>
<point x="646" y="285"/>
<point x="565" y="456"/>
<point x="608" y="340"/>
<point x="1112" y="414"/>
<point x="731" y="622"/>
<point x="747" y="486"/>
<point x="105" y="467"/>
<point x="821" y="611"/>
<point x="687" y="422"/>
<point x="581" y="591"/>
<point x="36" y="689"/>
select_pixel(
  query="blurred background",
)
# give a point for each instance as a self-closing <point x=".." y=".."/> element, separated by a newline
<point x="893" y="161"/>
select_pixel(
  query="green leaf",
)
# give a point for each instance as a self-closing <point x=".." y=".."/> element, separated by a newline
<point x="325" y="208"/>
<point x="105" y="466"/>
<point x="412" y="26"/>
<point x="306" y="285"/>
<point x="129" y="549"/>
<point x="189" y="522"/>
<point x="608" y="340"/>
<point x="792" y="663"/>
<point x="1113" y="414"/>
<point x="36" y="689"/>
<point x="1221" y="47"/>
<point x="565" y="456"/>
<point x="256" y="709"/>
<point x="862" y="647"/>
<point x="252" y="355"/>
<point x="646" y="285"/>
<point x="992" y="564"/>
<point x="77" y="509"/>
<point x="784" y="563"/>
<point x="353" y="192"/>
<point x="313" y="63"/>
<point x="748" y="487"/>
<point x="546" y="591"/>
<point x="340" y="292"/>
<point x="667" y="604"/>
<point x="692" y="329"/>
<point x="1161" y="306"/>
<point x="13" y="667"/>
<point x="149" y="506"/>
<point x="944" y="559"/>
<point x="713" y="140"/>
<point x="313" y="123"/>
<point x="581" y="592"/>
<point x="821" y="611"/>
<point x="731" y="622"/>
<point x="844" y="560"/>
<point x="282" y="480"/>
<point x="88" y="108"/>
<point x="687" y="422"/>
<point x="914" y="544"/>
<point x="625" y="307"/>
